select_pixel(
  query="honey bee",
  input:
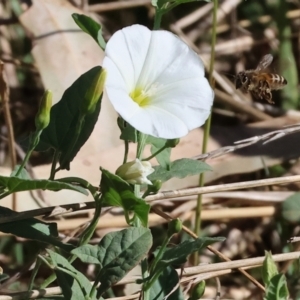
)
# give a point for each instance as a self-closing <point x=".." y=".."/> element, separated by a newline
<point x="259" y="82"/>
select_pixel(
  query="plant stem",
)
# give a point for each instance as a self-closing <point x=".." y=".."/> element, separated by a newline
<point x="34" y="142"/>
<point x="126" y="144"/>
<point x="157" y="19"/>
<point x="206" y="127"/>
<point x="54" y="162"/>
<point x="154" y="154"/>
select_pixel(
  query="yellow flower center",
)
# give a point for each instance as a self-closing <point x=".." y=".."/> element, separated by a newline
<point x="141" y="97"/>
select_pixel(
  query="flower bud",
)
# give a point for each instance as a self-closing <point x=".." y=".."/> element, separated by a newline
<point x="155" y="187"/>
<point x="42" y="118"/>
<point x="172" y="143"/>
<point x="198" y="291"/>
<point x="174" y="227"/>
<point x="95" y="90"/>
<point x="135" y="172"/>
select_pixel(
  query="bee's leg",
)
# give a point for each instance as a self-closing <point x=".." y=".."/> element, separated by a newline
<point x="268" y="96"/>
<point x="267" y="92"/>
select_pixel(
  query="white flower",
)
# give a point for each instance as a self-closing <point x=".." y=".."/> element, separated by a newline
<point x="156" y="82"/>
<point x="135" y="172"/>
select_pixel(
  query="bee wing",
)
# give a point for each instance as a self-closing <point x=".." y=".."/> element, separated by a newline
<point x="265" y="62"/>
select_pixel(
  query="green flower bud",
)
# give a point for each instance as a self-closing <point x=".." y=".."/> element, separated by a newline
<point x="94" y="92"/>
<point x="135" y="172"/>
<point x="172" y="143"/>
<point x="174" y="227"/>
<point x="154" y="188"/>
<point x="198" y="291"/>
<point x="269" y="268"/>
<point x="42" y="118"/>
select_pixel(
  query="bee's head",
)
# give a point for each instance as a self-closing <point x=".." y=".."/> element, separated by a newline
<point x="241" y="80"/>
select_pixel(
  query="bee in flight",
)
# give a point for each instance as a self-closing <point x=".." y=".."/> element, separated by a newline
<point x="259" y="82"/>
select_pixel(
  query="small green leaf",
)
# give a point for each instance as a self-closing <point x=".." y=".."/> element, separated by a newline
<point x="62" y="132"/>
<point x="165" y="284"/>
<point x="91" y="27"/>
<point x="179" y="168"/>
<point x="87" y="254"/>
<point x="18" y="184"/>
<point x="163" y="157"/>
<point x="269" y="268"/>
<point x="291" y="208"/>
<point x="33" y="229"/>
<point x="74" y="285"/>
<point x="117" y="192"/>
<point x="117" y="253"/>
<point x="277" y="288"/>
<point x="128" y="133"/>
<point x="23" y="174"/>
<point x="179" y="253"/>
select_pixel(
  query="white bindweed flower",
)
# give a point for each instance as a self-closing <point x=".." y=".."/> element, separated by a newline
<point x="156" y="82"/>
<point x="135" y="172"/>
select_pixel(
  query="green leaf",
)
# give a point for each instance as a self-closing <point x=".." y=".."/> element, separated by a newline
<point x="117" y="253"/>
<point x="179" y="168"/>
<point x="164" y="285"/>
<point x="163" y="157"/>
<point x="74" y="285"/>
<point x="128" y="133"/>
<point x="277" y="288"/>
<point x="23" y="174"/>
<point x="33" y="229"/>
<point x="117" y="192"/>
<point x="290" y="210"/>
<point x="269" y="268"/>
<point x="91" y="27"/>
<point x="62" y="132"/>
<point x="17" y="184"/>
<point x="178" y="254"/>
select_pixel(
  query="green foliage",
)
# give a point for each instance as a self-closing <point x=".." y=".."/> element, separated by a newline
<point x="276" y="285"/>
<point x="287" y="61"/>
<point x="198" y="291"/>
<point x="117" y="253"/>
<point x="32" y="228"/>
<point x="178" y="254"/>
<point x="290" y="210"/>
<point x="277" y="288"/>
<point x="74" y="285"/>
<point x="69" y="129"/>
<point x="180" y="168"/>
<point x="165" y="284"/>
<point x="91" y="27"/>
<point x="269" y="269"/>
<point x="117" y="192"/>
<point x="162" y="157"/>
<point x="16" y="184"/>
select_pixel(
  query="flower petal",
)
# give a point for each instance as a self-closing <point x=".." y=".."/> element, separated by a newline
<point x="167" y="72"/>
<point x="127" y="49"/>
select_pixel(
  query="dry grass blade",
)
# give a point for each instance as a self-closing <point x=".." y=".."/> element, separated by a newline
<point x="267" y="137"/>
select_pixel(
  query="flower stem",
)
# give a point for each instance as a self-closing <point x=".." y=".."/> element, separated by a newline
<point x="33" y="143"/>
<point x="154" y="154"/>
<point x="206" y="127"/>
<point x="126" y="144"/>
<point x="157" y="19"/>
